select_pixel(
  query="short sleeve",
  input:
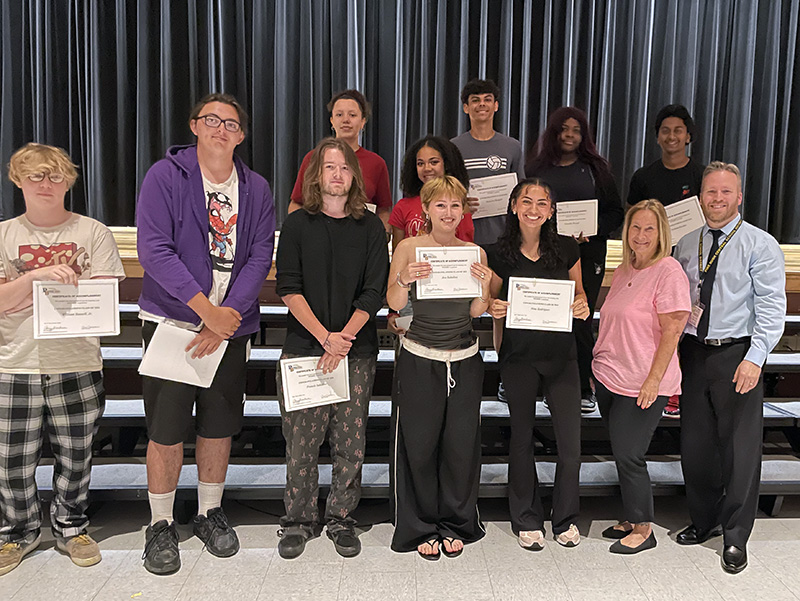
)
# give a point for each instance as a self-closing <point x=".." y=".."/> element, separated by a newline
<point x="105" y="255"/>
<point x="570" y="250"/>
<point x="397" y="218"/>
<point x="672" y="288"/>
<point x="383" y="190"/>
<point x="297" y="191"/>
<point x="496" y="262"/>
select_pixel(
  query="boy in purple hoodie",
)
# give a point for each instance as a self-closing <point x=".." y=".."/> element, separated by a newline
<point x="206" y="229"/>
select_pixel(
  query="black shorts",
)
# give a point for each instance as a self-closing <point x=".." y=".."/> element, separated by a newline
<point x="220" y="408"/>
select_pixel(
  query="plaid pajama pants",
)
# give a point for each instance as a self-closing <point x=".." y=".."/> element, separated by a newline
<point x="66" y="408"/>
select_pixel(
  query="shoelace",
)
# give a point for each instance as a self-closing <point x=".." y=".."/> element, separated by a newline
<point x="218" y="522"/>
<point x="82" y="539"/>
<point x="9" y="548"/>
<point x="156" y="540"/>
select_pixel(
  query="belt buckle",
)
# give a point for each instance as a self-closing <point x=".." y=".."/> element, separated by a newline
<point x="713" y="342"/>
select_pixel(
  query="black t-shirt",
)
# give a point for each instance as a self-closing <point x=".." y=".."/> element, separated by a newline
<point x="534" y="346"/>
<point x="338" y="265"/>
<point x="666" y="185"/>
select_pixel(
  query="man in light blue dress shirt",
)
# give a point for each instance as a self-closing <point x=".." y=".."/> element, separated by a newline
<point x="738" y="284"/>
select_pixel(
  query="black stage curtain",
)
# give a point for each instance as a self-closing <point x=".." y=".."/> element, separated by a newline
<point x="113" y="81"/>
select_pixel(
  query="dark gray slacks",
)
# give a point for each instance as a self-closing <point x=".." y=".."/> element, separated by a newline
<point x="630" y="429"/>
<point x="437" y="456"/>
<point x="721" y="440"/>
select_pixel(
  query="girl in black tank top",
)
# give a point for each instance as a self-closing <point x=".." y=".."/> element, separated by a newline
<point x="437" y="391"/>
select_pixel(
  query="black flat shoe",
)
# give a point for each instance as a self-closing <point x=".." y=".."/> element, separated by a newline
<point x="620" y="549"/>
<point x="451" y="540"/>
<point x="431" y="556"/>
<point x="693" y="536"/>
<point x="734" y="559"/>
<point x="615" y="533"/>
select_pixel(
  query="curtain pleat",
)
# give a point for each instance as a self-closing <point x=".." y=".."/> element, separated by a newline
<point x="113" y="81"/>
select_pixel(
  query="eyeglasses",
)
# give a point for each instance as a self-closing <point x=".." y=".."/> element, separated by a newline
<point x="213" y="122"/>
<point x="55" y="178"/>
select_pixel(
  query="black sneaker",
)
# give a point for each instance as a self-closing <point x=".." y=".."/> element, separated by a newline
<point x="292" y="543"/>
<point x="161" y="555"/>
<point x="215" y="532"/>
<point x="345" y="540"/>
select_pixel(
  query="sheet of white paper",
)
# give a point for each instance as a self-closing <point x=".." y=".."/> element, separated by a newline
<point x="64" y="311"/>
<point x="684" y="216"/>
<point x="540" y="304"/>
<point x="404" y="322"/>
<point x="450" y="272"/>
<point x="372" y="207"/>
<point x="492" y="192"/>
<point x="305" y="386"/>
<point x="576" y="216"/>
<point x="166" y="358"/>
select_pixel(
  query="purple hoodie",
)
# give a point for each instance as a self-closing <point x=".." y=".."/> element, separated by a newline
<point x="173" y="245"/>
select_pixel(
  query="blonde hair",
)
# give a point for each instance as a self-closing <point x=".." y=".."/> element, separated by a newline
<point x="439" y="187"/>
<point x="715" y="166"/>
<point x="312" y="191"/>
<point x="41" y="158"/>
<point x="664" y="248"/>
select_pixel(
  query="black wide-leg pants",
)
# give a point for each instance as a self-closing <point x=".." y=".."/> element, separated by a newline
<point x="560" y="386"/>
<point x="437" y="457"/>
<point x="721" y="440"/>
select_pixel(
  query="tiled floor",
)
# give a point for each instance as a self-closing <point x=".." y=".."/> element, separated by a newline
<point x="494" y="569"/>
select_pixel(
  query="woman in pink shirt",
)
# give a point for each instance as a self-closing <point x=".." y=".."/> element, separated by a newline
<point x="635" y="361"/>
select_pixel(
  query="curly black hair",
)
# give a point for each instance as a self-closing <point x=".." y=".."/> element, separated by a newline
<point x="451" y="155"/>
<point x="510" y="240"/>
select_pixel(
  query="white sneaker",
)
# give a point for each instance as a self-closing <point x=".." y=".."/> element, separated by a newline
<point x="531" y="539"/>
<point x="570" y="537"/>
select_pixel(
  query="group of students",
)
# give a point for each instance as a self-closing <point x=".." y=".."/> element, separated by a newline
<point x="206" y="227"/>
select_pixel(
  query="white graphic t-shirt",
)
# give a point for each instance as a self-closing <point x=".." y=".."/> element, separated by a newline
<point x="222" y="203"/>
<point x="84" y="244"/>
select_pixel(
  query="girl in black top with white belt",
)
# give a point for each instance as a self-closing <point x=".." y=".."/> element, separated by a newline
<point x="437" y="392"/>
<point x="530" y="248"/>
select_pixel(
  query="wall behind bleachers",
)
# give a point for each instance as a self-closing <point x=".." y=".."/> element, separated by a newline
<point x="113" y="81"/>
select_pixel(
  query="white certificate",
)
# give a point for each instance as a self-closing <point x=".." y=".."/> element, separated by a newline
<point x="576" y="216"/>
<point x="306" y="386"/>
<point x="540" y="304"/>
<point x="371" y="207"/>
<point x="493" y="193"/>
<point x="450" y="276"/>
<point x="166" y="358"/>
<point x="64" y="311"/>
<point x="684" y="216"/>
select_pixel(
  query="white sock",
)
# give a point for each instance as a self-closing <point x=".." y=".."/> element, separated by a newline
<point x="161" y="506"/>
<point x="209" y="496"/>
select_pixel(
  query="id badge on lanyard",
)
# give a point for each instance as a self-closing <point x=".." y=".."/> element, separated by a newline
<point x="697" y="309"/>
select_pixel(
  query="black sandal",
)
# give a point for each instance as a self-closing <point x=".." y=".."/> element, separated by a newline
<point x="451" y="540"/>
<point x="430" y="542"/>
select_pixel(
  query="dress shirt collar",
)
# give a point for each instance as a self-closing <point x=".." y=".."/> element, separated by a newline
<point x="726" y="229"/>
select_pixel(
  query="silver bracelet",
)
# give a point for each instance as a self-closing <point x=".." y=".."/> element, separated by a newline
<point x="400" y="282"/>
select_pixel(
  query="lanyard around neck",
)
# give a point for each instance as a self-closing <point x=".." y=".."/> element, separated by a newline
<point x="712" y="258"/>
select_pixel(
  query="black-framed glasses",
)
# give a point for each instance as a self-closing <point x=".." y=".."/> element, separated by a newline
<point x="212" y="121"/>
<point x="55" y="178"/>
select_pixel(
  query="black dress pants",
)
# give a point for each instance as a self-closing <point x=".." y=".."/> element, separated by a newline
<point x="630" y="429"/>
<point x="721" y="440"/>
<point x="560" y="385"/>
<point x="437" y="458"/>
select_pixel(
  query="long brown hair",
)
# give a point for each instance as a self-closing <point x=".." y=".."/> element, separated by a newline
<point x="312" y="192"/>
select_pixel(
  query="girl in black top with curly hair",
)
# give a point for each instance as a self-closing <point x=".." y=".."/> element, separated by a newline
<point x="530" y="248"/>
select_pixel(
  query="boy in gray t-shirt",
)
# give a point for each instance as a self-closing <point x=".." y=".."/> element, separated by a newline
<point x="485" y="151"/>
